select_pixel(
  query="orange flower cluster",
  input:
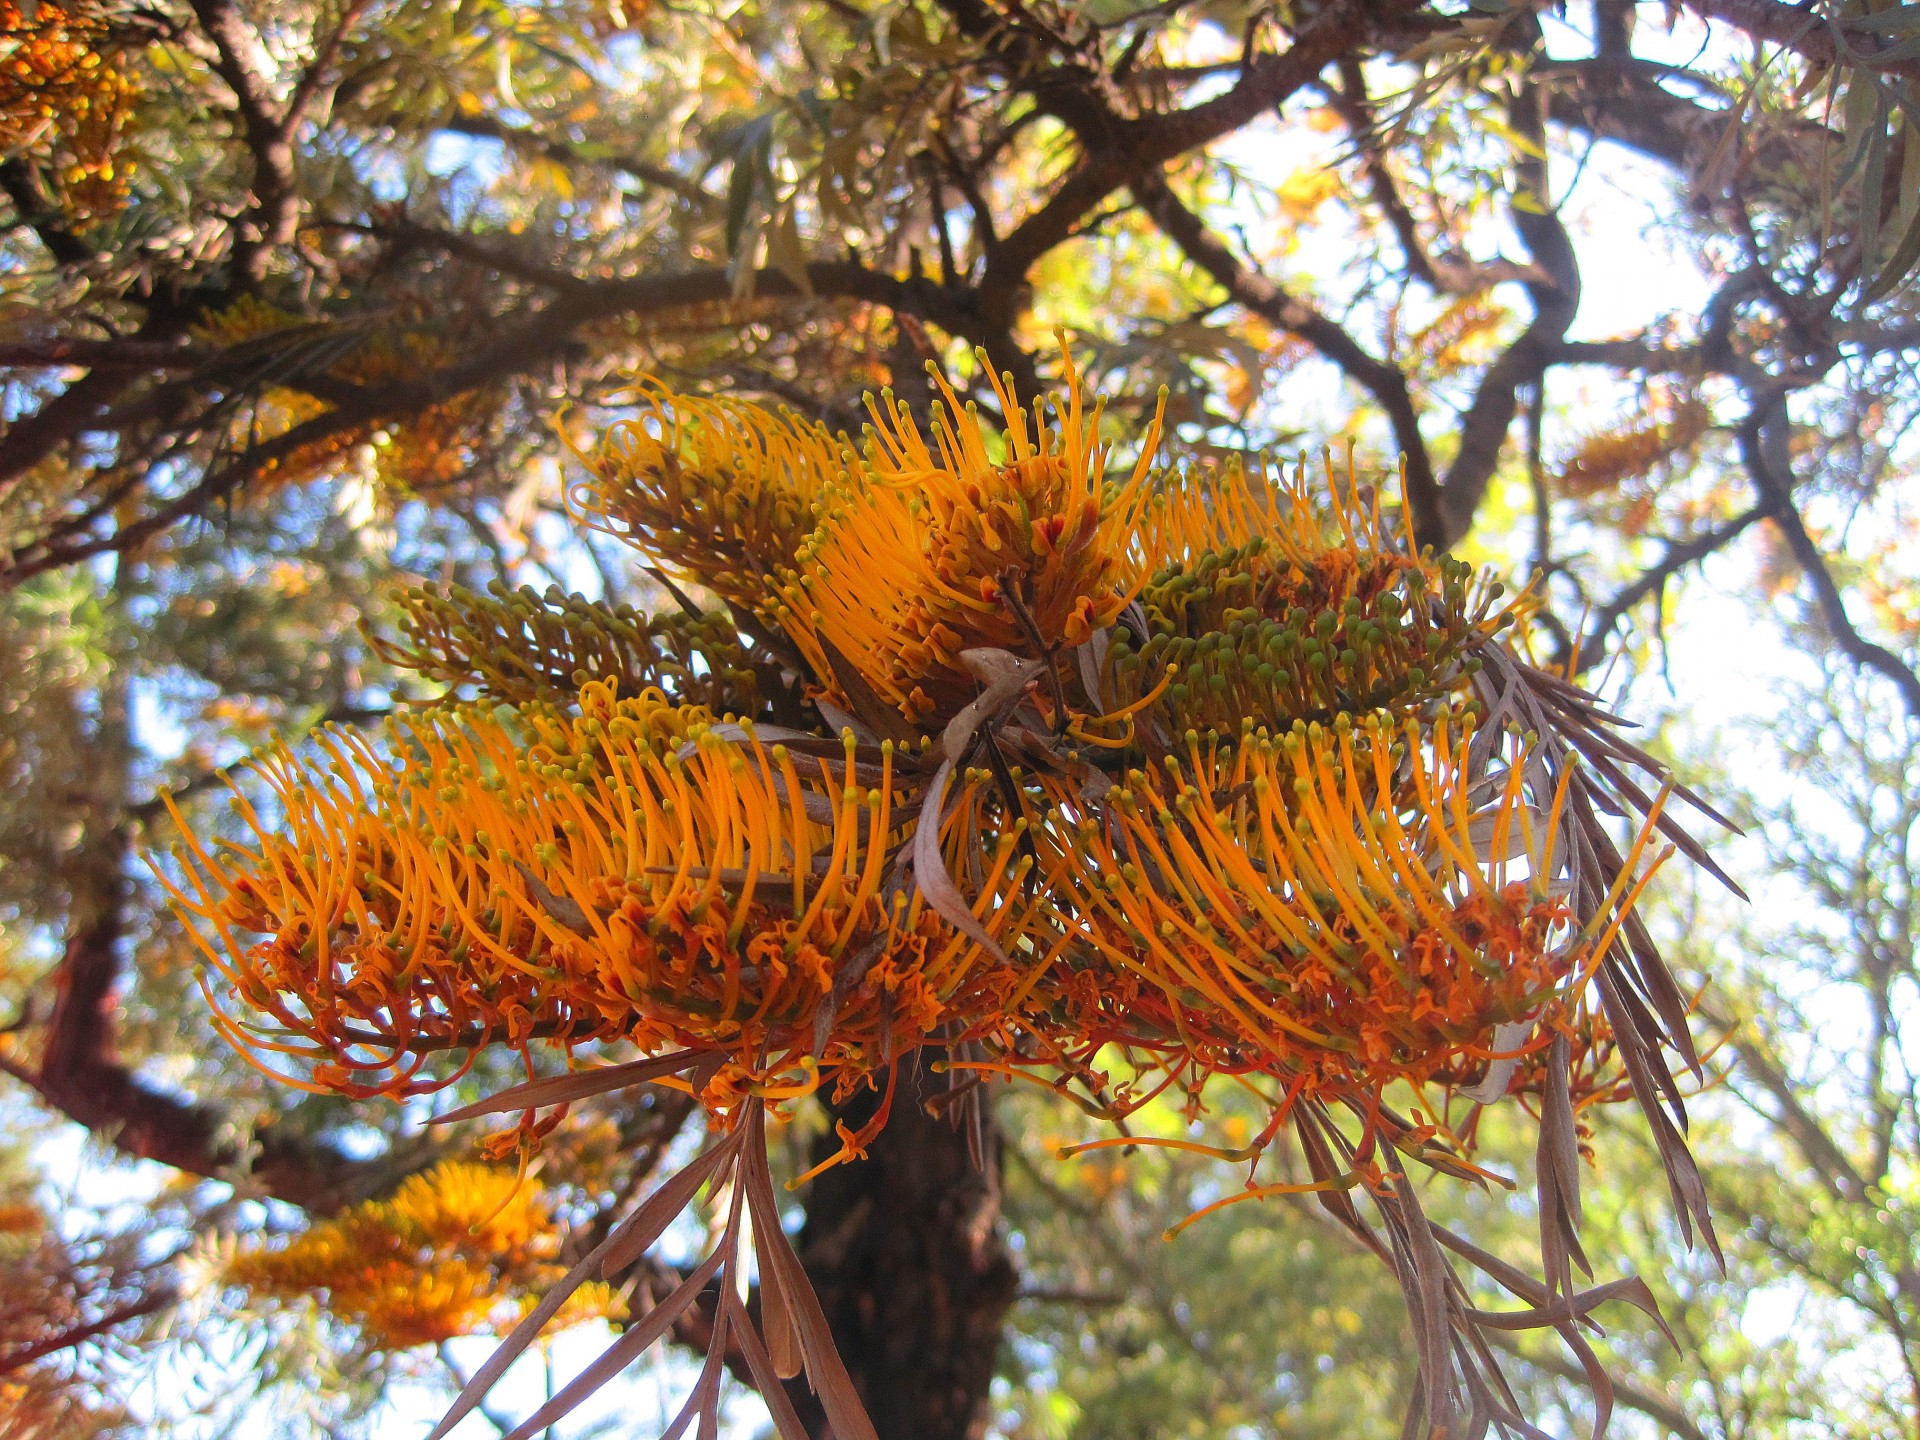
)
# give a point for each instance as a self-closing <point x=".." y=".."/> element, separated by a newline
<point x="1270" y="909"/>
<point x="460" y="1250"/>
<point x="1608" y="460"/>
<point x="1289" y="854"/>
<point x="66" y="96"/>
<point x="719" y="492"/>
<point x="1122" y="785"/>
<point x="1020" y="553"/>
<point x="636" y="871"/>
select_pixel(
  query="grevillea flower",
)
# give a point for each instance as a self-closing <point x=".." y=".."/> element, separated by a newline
<point x="1319" y="906"/>
<point x="638" y="871"/>
<point x="521" y="646"/>
<point x="1131" y="786"/>
<point x="1264" y="606"/>
<point x="1016" y="542"/>
<point x="719" y="492"/>
<point x="459" y="1250"/>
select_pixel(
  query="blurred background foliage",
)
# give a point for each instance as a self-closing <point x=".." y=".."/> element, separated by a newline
<point x="301" y="299"/>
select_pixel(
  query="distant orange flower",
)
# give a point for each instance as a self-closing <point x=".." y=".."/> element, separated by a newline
<point x="66" y="94"/>
<point x="455" y="1251"/>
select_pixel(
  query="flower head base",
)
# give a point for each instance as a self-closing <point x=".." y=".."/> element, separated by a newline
<point x="456" y="1251"/>
<point x="719" y="492"/>
<point x="936" y="550"/>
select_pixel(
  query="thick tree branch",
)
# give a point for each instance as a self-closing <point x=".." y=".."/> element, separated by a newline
<point x="535" y="341"/>
<point x="241" y="61"/>
<point x="59" y="353"/>
<point x="308" y="88"/>
<point x="472" y="251"/>
<point x="74" y="411"/>
<point x="1639" y="356"/>
<point x="1807" y="32"/>
<point x="1117" y="150"/>
<point x="1555" y="299"/>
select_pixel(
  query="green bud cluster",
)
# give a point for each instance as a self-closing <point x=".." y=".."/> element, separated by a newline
<point x="520" y="646"/>
<point x="1254" y="637"/>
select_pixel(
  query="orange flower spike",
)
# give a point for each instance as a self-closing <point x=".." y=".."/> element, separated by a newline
<point x="1329" y="841"/>
<point x="1303" y="844"/>
<point x="1373" y="856"/>
<point x="829" y="887"/>
<point x="879" y="808"/>
<point x="720" y="491"/>
<point x="1510" y="807"/>
<point x="1213" y="894"/>
<point x="1153" y="918"/>
<point x="1411" y="877"/>
<point x="1434" y="801"/>
<point x="966" y="520"/>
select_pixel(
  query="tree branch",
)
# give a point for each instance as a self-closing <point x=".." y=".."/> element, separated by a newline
<point x="1260" y="295"/>
<point x="1677" y="556"/>
<point x="1117" y="150"/>
<point x="61" y="352"/>
<point x="1775" y="490"/>
<point x="151" y="1303"/>
<point x="1448" y="274"/>
<point x="521" y="348"/>
<point x="239" y="60"/>
<point x="1555" y="298"/>
<point x="1806" y="31"/>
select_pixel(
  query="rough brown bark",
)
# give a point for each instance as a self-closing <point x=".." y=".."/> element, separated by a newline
<point x="916" y="1281"/>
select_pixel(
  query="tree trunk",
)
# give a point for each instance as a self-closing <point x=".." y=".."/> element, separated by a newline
<point x="905" y="1252"/>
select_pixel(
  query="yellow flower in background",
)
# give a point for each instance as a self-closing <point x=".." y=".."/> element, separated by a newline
<point x="459" y="1250"/>
<point x="66" y="94"/>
